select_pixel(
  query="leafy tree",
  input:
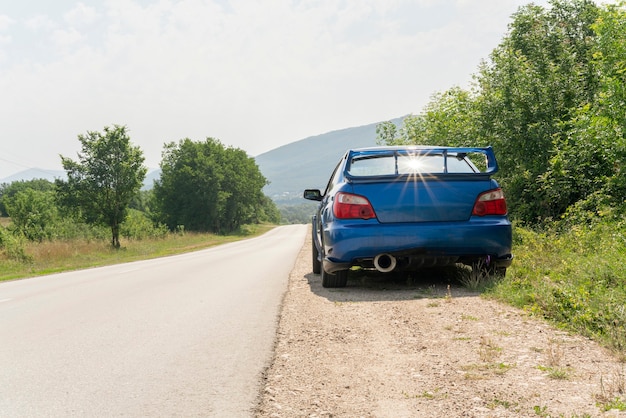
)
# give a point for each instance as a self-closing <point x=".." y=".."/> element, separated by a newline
<point x="585" y="173"/>
<point x="139" y="226"/>
<point x="528" y="102"/>
<point x="144" y="201"/>
<point x="7" y="190"/>
<point x="449" y="119"/>
<point x="205" y="186"/>
<point x="33" y="213"/>
<point x="529" y="92"/>
<point x="611" y="61"/>
<point x="267" y="211"/>
<point x="187" y="192"/>
<point x="108" y="174"/>
<point x="388" y="133"/>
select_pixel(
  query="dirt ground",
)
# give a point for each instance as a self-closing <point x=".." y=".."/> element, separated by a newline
<point x="426" y="348"/>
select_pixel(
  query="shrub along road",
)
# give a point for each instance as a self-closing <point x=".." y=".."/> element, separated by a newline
<point x="381" y="348"/>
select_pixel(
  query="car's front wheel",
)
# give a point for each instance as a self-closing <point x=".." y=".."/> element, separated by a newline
<point x="339" y="279"/>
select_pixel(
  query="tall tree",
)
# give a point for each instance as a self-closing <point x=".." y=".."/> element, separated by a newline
<point x="449" y="119"/>
<point x="535" y="80"/>
<point x="535" y="100"/>
<point x="205" y="186"/>
<point x="187" y="194"/>
<point x="8" y="190"/>
<point x="108" y="174"/>
<point x="586" y="171"/>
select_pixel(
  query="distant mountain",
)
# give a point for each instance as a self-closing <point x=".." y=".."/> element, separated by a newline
<point x="34" y="174"/>
<point x="308" y="163"/>
<point x="148" y="182"/>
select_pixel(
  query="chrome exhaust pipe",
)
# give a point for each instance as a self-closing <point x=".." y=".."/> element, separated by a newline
<point x="384" y="262"/>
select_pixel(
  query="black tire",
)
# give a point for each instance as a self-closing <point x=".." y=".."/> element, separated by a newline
<point x="317" y="265"/>
<point x="339" y="279"/>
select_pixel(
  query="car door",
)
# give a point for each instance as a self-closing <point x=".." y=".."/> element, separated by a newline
<point x="325" y="209"/>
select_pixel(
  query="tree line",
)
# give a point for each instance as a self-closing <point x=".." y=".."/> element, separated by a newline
<point x="551" y="100"/>
<point x="204" y="186"/>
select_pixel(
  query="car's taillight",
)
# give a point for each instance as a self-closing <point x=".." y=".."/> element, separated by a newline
<point x="352" y="206"/>
<point x="490" y="203"/>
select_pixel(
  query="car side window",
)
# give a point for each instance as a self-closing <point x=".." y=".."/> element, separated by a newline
<point x="333" y="178"/>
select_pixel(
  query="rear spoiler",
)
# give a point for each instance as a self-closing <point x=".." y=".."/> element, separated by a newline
<point x="490" y="156"/>
<point x="454" y="152"/>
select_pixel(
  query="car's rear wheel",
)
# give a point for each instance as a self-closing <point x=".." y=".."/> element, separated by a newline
<point x="339" y="279"/>
<point x="317" y="265"/>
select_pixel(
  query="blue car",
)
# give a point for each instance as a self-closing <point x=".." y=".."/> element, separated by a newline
<point x="408" y="207"/>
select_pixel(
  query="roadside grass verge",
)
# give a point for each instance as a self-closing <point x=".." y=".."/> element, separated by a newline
<point x="576" y="279"/>
<point x="56" y="256"/>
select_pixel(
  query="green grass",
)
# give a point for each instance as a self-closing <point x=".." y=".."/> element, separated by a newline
<point x="576" y="279"/>
<point x="57" y="256"/>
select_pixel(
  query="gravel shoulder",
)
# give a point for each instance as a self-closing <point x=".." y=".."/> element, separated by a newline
<point x="425" y="348"/>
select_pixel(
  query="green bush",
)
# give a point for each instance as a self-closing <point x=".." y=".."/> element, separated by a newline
<point x="12" y="246"/>
<point x="32" y="213"/>
<point x="138" y="226"/>
<point x="72" y="228"/>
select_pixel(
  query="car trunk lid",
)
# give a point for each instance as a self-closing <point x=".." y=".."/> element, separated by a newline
<point x="423" y="200"/>
<point x="422" y="184"/>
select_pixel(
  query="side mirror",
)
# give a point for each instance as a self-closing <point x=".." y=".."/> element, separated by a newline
<point x="313" y="194"/>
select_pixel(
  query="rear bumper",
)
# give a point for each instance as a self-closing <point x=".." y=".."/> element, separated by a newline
<point x="350" y="243"/>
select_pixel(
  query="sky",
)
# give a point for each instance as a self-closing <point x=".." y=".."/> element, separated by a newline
<point x="254" y="74"/>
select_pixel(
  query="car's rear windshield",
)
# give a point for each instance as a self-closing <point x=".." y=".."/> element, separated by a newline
<point x="399" y="164"/>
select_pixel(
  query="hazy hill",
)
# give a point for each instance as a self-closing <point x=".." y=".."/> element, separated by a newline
<point x="308" y="163"/>
<point x="34" y="173"/>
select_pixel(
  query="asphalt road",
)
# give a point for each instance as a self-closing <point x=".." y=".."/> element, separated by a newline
<point x="188" y="335"/>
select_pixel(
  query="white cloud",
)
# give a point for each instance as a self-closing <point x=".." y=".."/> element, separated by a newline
<point x="40" y="23"/>
<point x="255" y="75"/>
<point x="5" y="39"/>
<point x="66" y="38"/>
<point x="5" y="22"/>
<point x="80" y="15"/>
